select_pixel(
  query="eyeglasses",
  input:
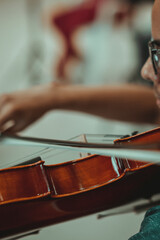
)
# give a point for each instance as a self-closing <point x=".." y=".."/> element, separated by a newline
<point x="154" y="52"/>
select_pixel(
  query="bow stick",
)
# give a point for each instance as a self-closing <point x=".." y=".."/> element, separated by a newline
<point x="145" y="152"/>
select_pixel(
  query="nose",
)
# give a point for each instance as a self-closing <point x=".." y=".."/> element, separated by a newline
<point x="147" y="71"/>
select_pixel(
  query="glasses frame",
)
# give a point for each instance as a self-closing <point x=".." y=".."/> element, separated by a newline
<point x="154" y="50"/>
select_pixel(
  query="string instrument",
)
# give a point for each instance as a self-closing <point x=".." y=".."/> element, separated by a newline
<point x="34" y="195"/>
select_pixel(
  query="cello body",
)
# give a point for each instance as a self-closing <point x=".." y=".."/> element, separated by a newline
<point x="37" y="195"/>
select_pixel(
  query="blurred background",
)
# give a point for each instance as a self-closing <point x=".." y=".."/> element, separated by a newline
<point x="89" y="42"/>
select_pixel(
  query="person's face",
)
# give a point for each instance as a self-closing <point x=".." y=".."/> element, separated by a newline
<point x="148" y="70"/>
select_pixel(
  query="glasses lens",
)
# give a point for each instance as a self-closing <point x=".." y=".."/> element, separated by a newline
<point x="154" y="52"/>
<point x="156" y="61"/>
<point x="155" y="57"/>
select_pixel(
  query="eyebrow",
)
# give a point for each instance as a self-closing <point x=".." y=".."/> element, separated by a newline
<point x="157" y="42"/>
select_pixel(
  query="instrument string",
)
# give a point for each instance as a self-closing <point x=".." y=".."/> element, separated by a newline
<point x="47" y="152"/>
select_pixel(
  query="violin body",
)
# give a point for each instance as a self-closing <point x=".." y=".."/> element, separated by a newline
<point x="37" y="195"/>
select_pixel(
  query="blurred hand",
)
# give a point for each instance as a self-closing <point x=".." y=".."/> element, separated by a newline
<point x="19" y="109"/>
